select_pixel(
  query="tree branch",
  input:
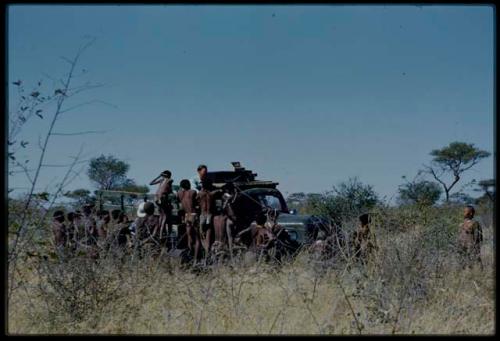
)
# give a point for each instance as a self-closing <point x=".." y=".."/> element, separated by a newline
<point x="81" y="133"/>
<point x="87" y="103"/>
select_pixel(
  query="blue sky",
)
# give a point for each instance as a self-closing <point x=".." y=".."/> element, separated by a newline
<point x="309" y="96"/>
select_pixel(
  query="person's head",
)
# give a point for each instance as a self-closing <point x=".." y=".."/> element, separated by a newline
<point x="469" y="212"/>
<point x="166" y="174"/>
<point x="202" y="171"/>
<point x="115" y="214"/>
<point x="185" y="184"/>
<point x="122" y="217"/>
<point x="364" y="219"/>
<point x="103" y="214"/>
<point x="58" y="216"/>
<point x="87" y="209"/>
<point x="71" y="216"/>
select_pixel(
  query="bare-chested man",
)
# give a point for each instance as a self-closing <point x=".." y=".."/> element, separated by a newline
<point x="189" y="203"/>
<point x="470" y="239"/>
<point x="90" y="230"/>
<point x="206" y="201"/>
<point x="103" y="224"/>
<point x="363" y="240"/>
<point x="202" y="173"/>
<point x="77" y="226"/>
<point x="262" y="237"/>
<point x="162" y="199"/>
<point x="220" y="219"/>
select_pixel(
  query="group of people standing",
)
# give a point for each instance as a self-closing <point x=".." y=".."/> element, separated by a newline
<point x="207" y="226"/>
<point x="204" y="221"/>
<point x="90" y="231"/>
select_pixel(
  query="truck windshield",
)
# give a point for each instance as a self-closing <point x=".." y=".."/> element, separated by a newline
<point x="270" y="201"/>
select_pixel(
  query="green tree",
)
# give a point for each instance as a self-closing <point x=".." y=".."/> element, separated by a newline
<point x="461" y="198"/>
<point x="488" y="188"/>
<point x="347" y="200"/>
<point x="420" y="192"/>
<point x="129" y="185"/>
<point x="107" y="172"/>
<point x="453" y="160"/>
<point x="81" y="196"/>
<point x="296" y="201"/>
<point x="305" y="203"/>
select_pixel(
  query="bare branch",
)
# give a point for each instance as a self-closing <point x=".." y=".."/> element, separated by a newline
<point x="87" y="103"/>
<point x="25" y="170"/>
<point x="70" y="62"/>
<point x="60" y="100"/>
<point x="68" y="165"/>
<point x="81" y="133"/>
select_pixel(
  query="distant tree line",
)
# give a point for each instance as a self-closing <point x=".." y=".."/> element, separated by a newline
<point x="441" y="176"/>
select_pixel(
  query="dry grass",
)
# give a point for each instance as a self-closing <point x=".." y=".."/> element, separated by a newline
<point x="411" y="285"/>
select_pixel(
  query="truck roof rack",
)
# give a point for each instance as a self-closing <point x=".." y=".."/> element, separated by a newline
<point x="240" y="177"/>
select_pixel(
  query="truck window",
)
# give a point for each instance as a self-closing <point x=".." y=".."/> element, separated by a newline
<point x="270" y="201"/>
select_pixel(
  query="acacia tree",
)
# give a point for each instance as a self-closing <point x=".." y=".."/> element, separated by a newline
<point x="452" y="161"/>
<point x="110" y="173"/>
<point x="488" y="187"/>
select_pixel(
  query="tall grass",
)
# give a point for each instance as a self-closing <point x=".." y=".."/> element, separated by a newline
<point x="412" y="284"/>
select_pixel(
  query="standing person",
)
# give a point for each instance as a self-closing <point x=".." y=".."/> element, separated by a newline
<point x="114" y="227"/>
<point x="60" y="231"/>
<point x="470" y="239"/>
<point x="102" y="224"/>
<point x="147" y="226"/>
<point x="188" y="200"/>
<point x="219" y="223"/>
<point x="162" y="199"/>
<point x="122" y="230"/>
<point x="202" y="174"/>
<point x="207" y="207"/>
<point x="90" y="230"/>
<point x="73" y="230"/>
<point x="76" y="225"/>
<point x="363" y="241"/>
